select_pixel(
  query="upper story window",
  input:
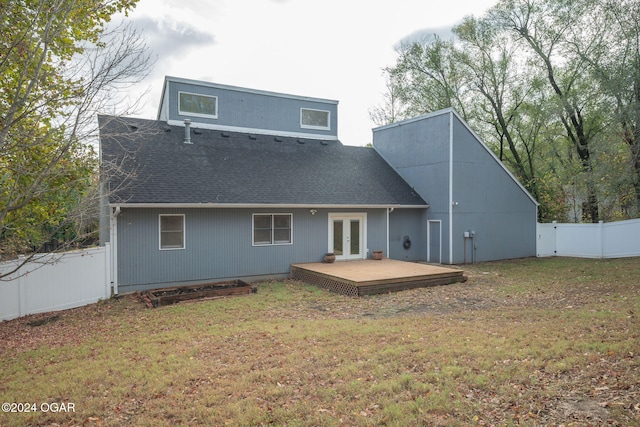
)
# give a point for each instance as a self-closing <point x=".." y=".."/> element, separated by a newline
<point x="314" y="119"/>
<point x="192" y="104"/>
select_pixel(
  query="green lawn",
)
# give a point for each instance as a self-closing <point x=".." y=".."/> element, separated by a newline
<point x="526" y="342"/>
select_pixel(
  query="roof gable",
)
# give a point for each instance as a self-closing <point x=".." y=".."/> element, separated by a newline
<point x="452" y="112"/>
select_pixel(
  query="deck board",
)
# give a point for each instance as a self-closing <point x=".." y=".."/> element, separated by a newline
<point x="366" y="277"/>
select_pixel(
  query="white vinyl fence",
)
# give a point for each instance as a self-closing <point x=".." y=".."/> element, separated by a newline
<point x="55" y="282"/>
<point x="603" y="240"/>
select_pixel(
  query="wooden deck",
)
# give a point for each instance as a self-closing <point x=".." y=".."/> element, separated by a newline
<point x="367" y="277"/>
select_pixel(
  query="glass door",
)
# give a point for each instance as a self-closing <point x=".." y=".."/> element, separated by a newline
<point x="346" y="236"/>
<point x="354" y="240"/>
<point x="338" y="237"/>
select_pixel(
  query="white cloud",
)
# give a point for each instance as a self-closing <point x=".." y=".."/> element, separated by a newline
<point x="171" y="40"/>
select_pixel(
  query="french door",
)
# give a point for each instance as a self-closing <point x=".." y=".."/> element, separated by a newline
<point x="347" y="239"/>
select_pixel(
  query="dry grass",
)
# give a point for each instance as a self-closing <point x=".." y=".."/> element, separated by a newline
<point x="526" y="342"/>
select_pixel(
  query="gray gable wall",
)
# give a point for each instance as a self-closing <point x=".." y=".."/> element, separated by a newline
<point x="419" y="152"/>
<point x="490" y="202"/>
<point x="466" y="186"/>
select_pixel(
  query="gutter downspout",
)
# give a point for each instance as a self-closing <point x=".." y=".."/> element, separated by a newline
<point x="113" y="227"/>
<point x="389" y="210"/>
<point x="451" y="188"/>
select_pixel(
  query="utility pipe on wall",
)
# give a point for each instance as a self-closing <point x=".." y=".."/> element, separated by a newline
<point x="464" y="258"/>
<point x="389" y="210"/>
<point x="470" y="235"/>
<point x="114" y="248"/>
<point x="451" y="202"/>
<point x="473" y="250"/>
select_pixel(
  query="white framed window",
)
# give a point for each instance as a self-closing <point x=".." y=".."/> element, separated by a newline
<point x="171" y="230"/>
<point x="193" y="104"/>
<point x="315" y="119"/>
<point x="272" y="229"/>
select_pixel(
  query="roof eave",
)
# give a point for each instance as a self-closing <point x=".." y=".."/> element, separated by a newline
<point x="248" y="90"/>
<point x="263" y="206"/>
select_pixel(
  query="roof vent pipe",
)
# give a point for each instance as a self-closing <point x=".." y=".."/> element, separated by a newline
<point x="187" y="131"/>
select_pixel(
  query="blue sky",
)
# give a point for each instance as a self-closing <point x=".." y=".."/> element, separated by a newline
<point x="333" y="49"/>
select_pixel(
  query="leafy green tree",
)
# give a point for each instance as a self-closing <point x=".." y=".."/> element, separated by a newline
<point x="392" y="108"/>
<point x="548" y="30"/>
<point x="478" y="74"/>
<point x="500" y="95"/>
<point x="426" y="78"/>
<point x="614" y="61"/>
<point x="60" y="63"/>
<point x="553" y="86"/>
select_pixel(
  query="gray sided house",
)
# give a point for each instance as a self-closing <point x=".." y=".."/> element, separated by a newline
<point x="235" y="183"/>
<point x="218" y="199"/>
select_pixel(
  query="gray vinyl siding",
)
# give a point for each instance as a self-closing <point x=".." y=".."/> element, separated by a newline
<point x="247" y="109"/>
<point x="502" y="215"/>
<point x="487" y="198"/>
<point x="419" y="152"/>
<point x="218" y="246"/>
<point x="411" y="223"/>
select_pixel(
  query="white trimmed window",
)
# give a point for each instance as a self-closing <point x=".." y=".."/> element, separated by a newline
<point x="272" y="229"/>
<point x="315" y="119"/>
<point x="193" y="104"/>
<point x="171" y="232"/>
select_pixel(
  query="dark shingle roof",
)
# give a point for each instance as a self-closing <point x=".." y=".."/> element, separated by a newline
<point x="148" y="162"/>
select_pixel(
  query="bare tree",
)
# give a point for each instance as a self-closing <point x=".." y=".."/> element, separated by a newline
<point x="391" y="109"/>
<point x="61" y="65"/>
<point x="427" y="78"/>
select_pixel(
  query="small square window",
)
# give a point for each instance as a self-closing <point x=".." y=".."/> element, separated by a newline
<point x="172" y="232"/>
<point x="314" y="119"/>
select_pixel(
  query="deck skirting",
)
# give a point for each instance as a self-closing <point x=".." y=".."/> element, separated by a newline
<point x="332" y="284"/>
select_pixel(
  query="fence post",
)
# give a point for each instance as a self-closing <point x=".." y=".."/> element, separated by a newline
<point x="601" y="238"/>
<point x="555" y="238"/>
<point x="22" y="292"/>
